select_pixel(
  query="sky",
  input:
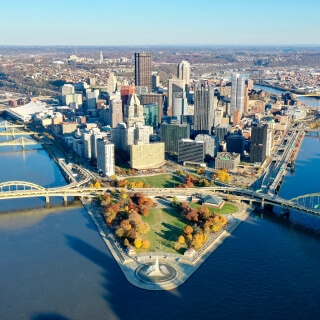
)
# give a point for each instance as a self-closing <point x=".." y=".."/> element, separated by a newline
<point x="166" y="22"/>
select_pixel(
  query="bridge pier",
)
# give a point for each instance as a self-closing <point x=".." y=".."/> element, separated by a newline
<point x="47" y="201"/>
<point x="65" y="200"/>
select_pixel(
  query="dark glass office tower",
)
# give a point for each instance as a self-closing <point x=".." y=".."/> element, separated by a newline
<point x="142" y="69"/>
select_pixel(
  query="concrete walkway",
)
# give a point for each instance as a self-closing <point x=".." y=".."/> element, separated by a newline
<point x="184" y="266"/>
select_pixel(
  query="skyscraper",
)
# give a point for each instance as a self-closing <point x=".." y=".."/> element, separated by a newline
<point x="105" y="157"/>
<point x="134" y="110"/>
<point x="258" y="147"/>
<point x="142" y="69"/>
<point x="203" y="110"/>
<point x="237" y="94"/>
<point x="115" y="112"/>
<point x="184" y="71"/>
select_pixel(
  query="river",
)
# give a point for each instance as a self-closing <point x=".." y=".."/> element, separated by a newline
<point x="54" y="264"/>
<point x="309" y="101"/>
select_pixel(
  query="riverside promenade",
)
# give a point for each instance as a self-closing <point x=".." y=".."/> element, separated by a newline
<point x="185" y="266"/>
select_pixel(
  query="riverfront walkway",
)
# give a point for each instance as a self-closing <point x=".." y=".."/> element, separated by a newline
<point x="184" y="266"/>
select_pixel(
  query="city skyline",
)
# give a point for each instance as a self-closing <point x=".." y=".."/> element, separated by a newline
<point x="204" y="23"/>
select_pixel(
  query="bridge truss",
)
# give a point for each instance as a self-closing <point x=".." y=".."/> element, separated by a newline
<point x="19" y="142"/>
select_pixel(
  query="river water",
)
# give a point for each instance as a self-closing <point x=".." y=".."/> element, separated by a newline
<point x="309" y="101"/>
<point x="54" y="264"/>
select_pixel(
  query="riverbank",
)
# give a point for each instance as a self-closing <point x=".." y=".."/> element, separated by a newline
<point x="184" y="266"/>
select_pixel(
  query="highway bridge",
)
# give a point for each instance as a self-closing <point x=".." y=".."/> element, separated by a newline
<point x="20" y="142"/>
<point x="12" y="131"/>
<point x="309" y="203"/>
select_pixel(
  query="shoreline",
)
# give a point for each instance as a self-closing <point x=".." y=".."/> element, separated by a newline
<point x="184" y="266"/>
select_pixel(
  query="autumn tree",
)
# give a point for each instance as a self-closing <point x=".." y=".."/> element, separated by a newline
<point x="120" y="232"/>
<point x="193" y="216"/>
<point x="125" y="224"/>
<point x="181" y="240"/>
<point x="145" y="244"/>
<point x="126" y="242"/>
<point x="137" y="243"/>
<point x="144" y="211"/>
<point x="187" y="230"/>
<point x="204" y="212"/>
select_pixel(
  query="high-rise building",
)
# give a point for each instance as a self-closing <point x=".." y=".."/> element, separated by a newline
<point x="105" y="157"/>
<point x="172" y="133"/>
<point x="100" y="57"/>
<point x="125" y="92"/>
<point x="191" y="150"/>
<point x="174" y="85"/>
<point x="146" y="156"/>
<point x="134" y="110"/>
<point x="218" y="114"/>
<point x="153" y="98"/>
<point x="222" y="131"/>
<point x="179" y="103"/>
<point x="111" y="83"/>
<point x="211" y="144"/>
<point x="155" y="81"/>
<point x="90" y="142"/>
<point x="150" y="114"/>
<point x="184" y="71"/>
<point x="203" y="110"/>
<point x="258" y="147"/>
<point x="67" y="89"/>
<point x="142" y="71"/>
<point x="115" y="112"/>
<point x="237" y="94"/>
<point x="235" y="143"/>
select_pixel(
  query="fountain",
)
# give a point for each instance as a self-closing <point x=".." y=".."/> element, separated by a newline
<point x="156" y="272"/>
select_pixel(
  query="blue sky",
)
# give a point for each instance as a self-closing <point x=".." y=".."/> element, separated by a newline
<point x="142" y="22"/>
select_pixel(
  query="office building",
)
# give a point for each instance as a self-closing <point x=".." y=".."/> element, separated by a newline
<point x="174" y="85"/>
<point x="222" y="131"/>
<point x="203" y="110"/>
<point x="105" y="157"/>
<point x="91" y="98"/>
<point x="90" y="142"/>
<point x="67" y="89"/>
<point x="258" y="147"/>
<point x="134" y="110"/>
<point x="211" y="144"/>
<point x="217" y="118"/>
<point x="237" y="94"/>
<point x="115" y="112"/>
<point x="146" y="156"/>
<point x="150" y="114"/>
<point x="179" y="104"/>
<point x="191" y="150"/>
<point x="155" y="81"/>
<point x="172" y="133"/>
<point x="153" y="98"/>
<point x="111" y="83"/>
<point x="184" y="72"/>
<point x="75" y="98"/>
<point x="142" y="70"/>
<point x="235" y="143"/>
<point x="227" y="160"/>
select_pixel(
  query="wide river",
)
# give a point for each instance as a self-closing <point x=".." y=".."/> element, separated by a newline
<point x="54" y="264"/>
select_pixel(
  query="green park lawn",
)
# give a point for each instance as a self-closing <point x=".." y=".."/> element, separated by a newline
<point x="166" y="226"/>
<point x="158" y="181"/>
<point x="226" y="209"/>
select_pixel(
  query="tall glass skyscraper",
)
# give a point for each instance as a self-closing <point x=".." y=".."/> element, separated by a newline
<point x="203" y="110"/>
<point x="237" y="93"/>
